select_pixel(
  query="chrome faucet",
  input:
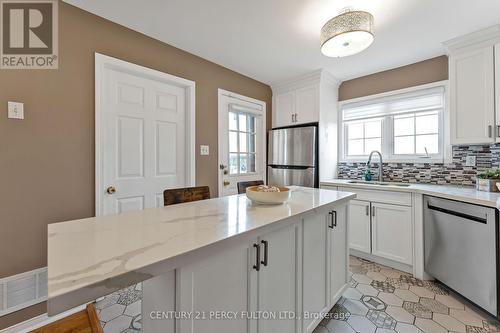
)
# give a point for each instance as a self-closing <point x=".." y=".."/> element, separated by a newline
<point x="380" y="169"/>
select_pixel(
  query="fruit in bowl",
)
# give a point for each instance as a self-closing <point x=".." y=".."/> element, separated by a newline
<point x="269" y="195"/>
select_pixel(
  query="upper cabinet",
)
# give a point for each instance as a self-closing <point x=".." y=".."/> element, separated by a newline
<point x="474" y="119"/>
<point x="298" y="101"/>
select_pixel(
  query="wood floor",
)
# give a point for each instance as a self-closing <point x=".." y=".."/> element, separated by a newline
<point x="85" y="321"/>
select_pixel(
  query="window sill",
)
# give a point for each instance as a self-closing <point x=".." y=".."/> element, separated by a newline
<point x="397" y="160"/>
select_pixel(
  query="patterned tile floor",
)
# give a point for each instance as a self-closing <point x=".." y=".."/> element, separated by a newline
<point x="384" y="300"/>
<point x="379" y="300"/>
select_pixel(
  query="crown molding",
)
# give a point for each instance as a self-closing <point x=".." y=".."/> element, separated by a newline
<point x="477" y="39"/>
<point x="315" y="77"/>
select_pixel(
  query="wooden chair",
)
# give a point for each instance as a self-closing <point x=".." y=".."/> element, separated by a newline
<point x="242" y="186"/>
<point x="188" y="194"/>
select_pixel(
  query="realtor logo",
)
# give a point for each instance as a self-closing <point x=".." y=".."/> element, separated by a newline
<point x="29" y="34"/>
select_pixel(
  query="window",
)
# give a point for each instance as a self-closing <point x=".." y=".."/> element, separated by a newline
<point x="402" y="126"/>
<point x="241" y="143"/>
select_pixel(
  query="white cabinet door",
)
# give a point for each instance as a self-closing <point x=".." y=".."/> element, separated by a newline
<point x="392" y="232"/>
<point x="277" y="280"/>
<point x="284" y="112"/>
<point x="472" y="109"/>
<point x="497" y="90"/>
<point x="306" y="105"/>
<point x="314" y="267"/>
<point x="359" y="226"/>
<point x="339" y="255"/>
<point x="219" y="283"/>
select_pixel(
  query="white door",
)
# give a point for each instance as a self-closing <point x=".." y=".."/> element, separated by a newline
<point x="392" y="232"/>
<point x="216" y="285"/>
<point x="314" y="266"/>
<point x="277" y="280"/>
<point x="472" y="101"/>
<point x="339" y="257"/>
<point x="141" y="136"/>
<point x="242" y="141"/>
<point x="359" y="226"/>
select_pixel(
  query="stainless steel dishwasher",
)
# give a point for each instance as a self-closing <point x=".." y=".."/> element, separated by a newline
<point x="461" y="249"/>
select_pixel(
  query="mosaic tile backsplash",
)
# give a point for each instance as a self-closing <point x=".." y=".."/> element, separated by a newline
<point x="454" y="173"/>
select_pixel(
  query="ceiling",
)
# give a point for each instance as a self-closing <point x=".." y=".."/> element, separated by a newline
<point x="274" y="40"/>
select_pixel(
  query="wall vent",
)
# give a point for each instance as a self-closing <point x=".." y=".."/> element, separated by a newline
<point x="23" y="290"/>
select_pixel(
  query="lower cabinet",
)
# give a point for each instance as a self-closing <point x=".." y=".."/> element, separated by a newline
<point x="360" y="226"/>
<point x="298" y="268"/>
<point x="324" y="263"/>
<point x="391" y="232"/>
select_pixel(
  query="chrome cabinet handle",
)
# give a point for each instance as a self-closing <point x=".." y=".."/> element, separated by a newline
<point x="498" y="131"/>
<point x="334" y="218"/>
<point x="296" y="117"/>
<point x="330" y="225"/>
<point x="293" y="117"/>
<point x="373" y="211"/>
<point x="367" y="210"/>
<point x="266" y="249"/>
<point x="490" y="130"/>
<point x="257" y="256"/>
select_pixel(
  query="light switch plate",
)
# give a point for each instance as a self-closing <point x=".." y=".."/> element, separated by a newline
<point x="15" y="110"/>
<point x="204" y="150"/>
<point x="470" y="160"/>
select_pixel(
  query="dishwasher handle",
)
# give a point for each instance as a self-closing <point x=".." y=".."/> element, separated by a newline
<point x="458" y="214"/>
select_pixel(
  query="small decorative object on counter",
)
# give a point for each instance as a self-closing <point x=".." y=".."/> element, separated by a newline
<point x="368" y="174"/>
<point x="487" y="181"/>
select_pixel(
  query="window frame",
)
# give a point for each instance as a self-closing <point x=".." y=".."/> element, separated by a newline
<point x="238" y="131"/>
<point x="388" y="155"/>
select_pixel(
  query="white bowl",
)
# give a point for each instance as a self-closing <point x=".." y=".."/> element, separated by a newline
<point x="268" y="198"/>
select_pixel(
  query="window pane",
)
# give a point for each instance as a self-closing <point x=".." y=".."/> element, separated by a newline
<point x="251" y="143"/>
<point x="404" y="145"/>
<point x="355" y="147"/>
<point x="251" y="163"/>
<point x="372" y="144"/>
<point x="243" y="142"/>
<point x="233" y="164"/>
<point x="373" y="129"/>
<point x="404" y="126"/>
<point x="233" y="141"/>
<point x="243" y="163"/>
<point x="427" y="124"/>
<point x="355" y="131"/>
<point x="243" y="122"/>
<point x="233" y="117"/>
<point x="251" y="124"/>
<point x="431" y="142"/>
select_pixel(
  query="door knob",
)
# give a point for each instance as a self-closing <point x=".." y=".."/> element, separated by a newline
<point x="111" y="190"/>
<point x="226" y="183"/>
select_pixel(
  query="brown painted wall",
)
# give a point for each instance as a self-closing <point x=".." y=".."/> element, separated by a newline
<point x="427" y="71"/>
<point x="47" y="160"/>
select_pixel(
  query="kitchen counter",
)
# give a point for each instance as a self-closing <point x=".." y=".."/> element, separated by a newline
<point x="93" y="257"/>
<point x="465" y="194"/>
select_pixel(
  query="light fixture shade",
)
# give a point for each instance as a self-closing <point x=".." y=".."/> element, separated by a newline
<point x="347" y="34"/>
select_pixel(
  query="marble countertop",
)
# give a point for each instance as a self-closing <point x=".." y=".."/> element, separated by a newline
<point x="93" y="257"/>
<point x="460" y="193"/>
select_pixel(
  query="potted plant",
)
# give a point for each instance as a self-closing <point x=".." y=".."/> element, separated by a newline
<point x="487" y="181"/>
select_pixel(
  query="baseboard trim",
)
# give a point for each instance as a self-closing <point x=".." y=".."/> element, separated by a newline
<point x="40" y="321"/>
<point x="383" y="261"/>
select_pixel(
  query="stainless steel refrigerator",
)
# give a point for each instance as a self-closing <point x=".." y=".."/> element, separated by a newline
<point x="293" y="156"/>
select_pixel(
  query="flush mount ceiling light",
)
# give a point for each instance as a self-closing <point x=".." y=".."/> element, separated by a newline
<point x="346" y="34"/>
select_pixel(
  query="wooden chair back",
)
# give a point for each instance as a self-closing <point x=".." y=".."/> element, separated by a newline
<point x="242" y="186"/>
<point x="187" y="194"/>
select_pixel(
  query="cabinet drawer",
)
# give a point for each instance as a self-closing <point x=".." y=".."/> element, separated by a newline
<point x="396" y="198"/>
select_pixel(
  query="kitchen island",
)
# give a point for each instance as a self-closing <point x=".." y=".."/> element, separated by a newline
<point x="219" y="265"/>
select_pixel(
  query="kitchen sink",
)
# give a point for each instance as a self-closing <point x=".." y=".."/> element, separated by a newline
<point x="378" y="183"/>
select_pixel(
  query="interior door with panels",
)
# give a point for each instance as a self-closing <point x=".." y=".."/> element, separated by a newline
<point x="392" y="232"/>
<point x="143" y="140"/>
<point x="360" y="226"/>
